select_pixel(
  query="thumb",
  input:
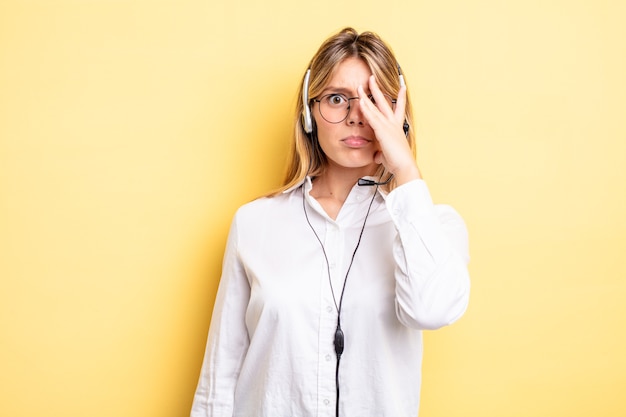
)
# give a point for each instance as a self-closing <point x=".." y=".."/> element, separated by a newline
<point x="379" y="158"/>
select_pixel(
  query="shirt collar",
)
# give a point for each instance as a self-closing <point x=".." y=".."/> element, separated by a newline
<point x="298" y="185"/>
<point x="364" y="190"/>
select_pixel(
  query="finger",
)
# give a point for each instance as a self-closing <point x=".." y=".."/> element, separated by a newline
<point x="367" y="107"/>
<point x="381" y="100"/>
<point x="372" y="114"/>
<point x="379" y="157"/>
<point x="400" y="109"/>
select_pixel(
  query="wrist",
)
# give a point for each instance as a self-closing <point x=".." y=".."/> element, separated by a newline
<point x="407" y="174"/>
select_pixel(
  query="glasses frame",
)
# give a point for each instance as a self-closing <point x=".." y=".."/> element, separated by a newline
<point x="348" y="100"/>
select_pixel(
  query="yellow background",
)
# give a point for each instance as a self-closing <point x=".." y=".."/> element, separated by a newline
<point x="130" y="131"/>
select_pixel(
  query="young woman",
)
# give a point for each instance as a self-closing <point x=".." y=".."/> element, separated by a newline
<point x="328" y="282"/>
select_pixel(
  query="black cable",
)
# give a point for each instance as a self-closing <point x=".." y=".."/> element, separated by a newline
<point x="337" y="386"/>
<point x="339" y="340"/>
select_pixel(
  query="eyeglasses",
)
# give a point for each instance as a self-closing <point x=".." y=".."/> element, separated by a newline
<point x="335" y="107"/>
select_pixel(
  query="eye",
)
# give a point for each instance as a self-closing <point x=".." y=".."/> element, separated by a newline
<point x="336" y="99"/>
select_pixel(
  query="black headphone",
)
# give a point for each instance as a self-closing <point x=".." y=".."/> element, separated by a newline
<point x="307" y="119"/>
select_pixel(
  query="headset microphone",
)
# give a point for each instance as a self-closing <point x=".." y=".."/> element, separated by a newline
<point x="364" y="182"/>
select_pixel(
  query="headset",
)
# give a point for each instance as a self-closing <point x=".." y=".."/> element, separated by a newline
<point x="307" y="119"/>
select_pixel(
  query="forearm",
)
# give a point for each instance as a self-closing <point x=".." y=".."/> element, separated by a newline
<point x="431" y="254"/>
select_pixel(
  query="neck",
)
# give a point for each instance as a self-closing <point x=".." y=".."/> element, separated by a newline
<point x="331" y="189"/>
<point x="338" y="181"/>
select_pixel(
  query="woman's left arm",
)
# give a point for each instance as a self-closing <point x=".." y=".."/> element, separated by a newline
<point x="431" y="252"/>
<point x="431" y="247"/>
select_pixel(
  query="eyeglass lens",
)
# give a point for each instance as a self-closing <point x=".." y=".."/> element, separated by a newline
<point x="335" y="108"/>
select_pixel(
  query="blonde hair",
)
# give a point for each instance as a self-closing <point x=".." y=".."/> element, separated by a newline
<point x="306" y="156"/>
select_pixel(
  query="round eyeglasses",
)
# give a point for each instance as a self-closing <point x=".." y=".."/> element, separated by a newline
<point x="335" y="108"/>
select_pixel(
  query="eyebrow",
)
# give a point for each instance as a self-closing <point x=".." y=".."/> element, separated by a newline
<point x="342" y="90"/>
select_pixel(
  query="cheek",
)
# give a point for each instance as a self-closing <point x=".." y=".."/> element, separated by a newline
<point x="324" y="139"/>
<point x="325" y="131"/>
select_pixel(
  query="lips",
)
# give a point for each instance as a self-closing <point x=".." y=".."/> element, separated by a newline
<point x="356" y="141"/>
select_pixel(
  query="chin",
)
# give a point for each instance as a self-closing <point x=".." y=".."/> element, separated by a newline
<point x="368" y="166"/>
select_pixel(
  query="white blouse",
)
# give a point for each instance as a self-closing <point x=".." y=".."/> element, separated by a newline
<point x="270" y="349"/>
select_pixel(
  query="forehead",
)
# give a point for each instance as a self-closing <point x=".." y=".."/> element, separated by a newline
<point x="349" y="74"/>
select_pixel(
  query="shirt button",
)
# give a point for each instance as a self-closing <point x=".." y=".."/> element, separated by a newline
<point x="328" y="358"/>
<point x="329" y="309"/>
<point x="326" y="402"/>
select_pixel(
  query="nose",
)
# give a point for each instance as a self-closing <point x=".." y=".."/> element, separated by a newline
<point x="355" y="116"/>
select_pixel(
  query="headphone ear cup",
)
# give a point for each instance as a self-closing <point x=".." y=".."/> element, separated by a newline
<point x="307" y="121"/>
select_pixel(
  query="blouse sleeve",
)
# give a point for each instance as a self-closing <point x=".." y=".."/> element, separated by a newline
<point x="228" y="338"/>
<point x="431" y="252"/>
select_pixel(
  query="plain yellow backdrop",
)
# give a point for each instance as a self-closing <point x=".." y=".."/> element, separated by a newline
<point x="130" y="131"/>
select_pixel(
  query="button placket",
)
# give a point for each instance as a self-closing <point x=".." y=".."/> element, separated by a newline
<point x="326" y="355"/>
<point x="334" y="252"/>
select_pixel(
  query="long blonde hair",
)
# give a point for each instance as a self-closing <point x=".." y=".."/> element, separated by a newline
<point x="306" y="156"/>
